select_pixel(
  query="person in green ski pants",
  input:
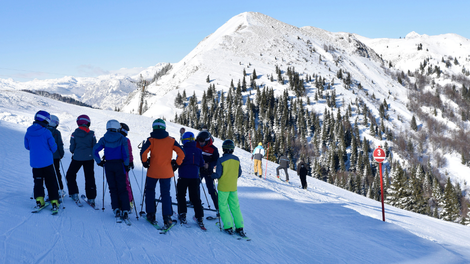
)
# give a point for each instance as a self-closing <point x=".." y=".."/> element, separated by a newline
<point x="227" y="172"/>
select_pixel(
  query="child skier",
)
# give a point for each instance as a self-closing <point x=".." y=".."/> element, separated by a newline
<point x="124" y="131"/>
<point x="116" y="165"/>
<point x="82" y="142"/>
<point x="189" y="179"/>
<point x="59" y="154"/>
<point x="228" y="170"/>
<point x="161" y="168"/>
<point x="211" y="155"/>
<point x="41" y="145"/>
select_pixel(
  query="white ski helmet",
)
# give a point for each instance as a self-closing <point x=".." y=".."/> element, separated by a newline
<point x="113" y="125"/>
<point x="54" y="121"/>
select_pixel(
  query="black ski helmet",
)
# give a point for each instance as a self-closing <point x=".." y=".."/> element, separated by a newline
<point x="124" y="129"/>
<point x="203" y="136"/>
<point x="228" y="146"/>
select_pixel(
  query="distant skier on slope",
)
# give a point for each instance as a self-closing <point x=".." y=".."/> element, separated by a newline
<point x="161" y="168"/>
<point x="302" y="172"/>
<point x="116" y="165"/>
<point x="284" y="165"/>
<point x="189" y="179"/>
<point x="82" y="142"/>
<point x="41" y="145"/>
<point x="228" y="171"/>
<point x="124" y="131"/>
<point x="257" y="155"/>
<point x="210" y="153"/>
<point x="59" y="154"/>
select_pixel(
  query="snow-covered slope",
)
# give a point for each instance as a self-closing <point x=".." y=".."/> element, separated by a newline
<point x="105" y="92"/>
<point x="323" y="224"/>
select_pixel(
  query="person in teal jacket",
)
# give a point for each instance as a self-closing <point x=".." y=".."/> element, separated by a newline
<point x="228" y="171"/>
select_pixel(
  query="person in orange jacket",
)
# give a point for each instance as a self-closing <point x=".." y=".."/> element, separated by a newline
<point x="161" y="168"/>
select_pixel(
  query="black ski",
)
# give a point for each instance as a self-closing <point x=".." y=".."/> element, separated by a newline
<point x="211" y="218"/>
<point x="37" y="209"/>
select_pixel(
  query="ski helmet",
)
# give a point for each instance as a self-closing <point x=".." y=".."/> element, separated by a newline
<point x="187" y="137"/>
<point x="42" y="117"/>
<point x="159" y="124"/>
<point x="203" y="136"/>
<point x="124" y="129"/>
<point x="228" y="146"/>
<point x="83" y="120"/>
<point x="260" y="144"/>
<point x="54" y="121"/>
<point x="113" y="125"/>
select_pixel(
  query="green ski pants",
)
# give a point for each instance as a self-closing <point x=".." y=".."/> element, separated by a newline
<point x="229" y="207"/>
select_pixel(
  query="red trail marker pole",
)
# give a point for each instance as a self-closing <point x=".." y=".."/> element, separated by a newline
<point x="379" y="156"/>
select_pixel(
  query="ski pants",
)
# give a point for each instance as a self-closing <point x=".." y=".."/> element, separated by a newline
<point x="303" y="180"/>
<point x="57" y="173"/>
<point x="229" y="209"/>
<point x="194" y="196"/>
<point x="128" y="187"/>
<point x="258" y="168"/>
<point x="46" y="175"/>
<point x="116" y="177"/>
<point x="88" y="169"/>
<point x="211" y="189"/>
<point x="285" y="170"/>
<point x="165" y="185"/>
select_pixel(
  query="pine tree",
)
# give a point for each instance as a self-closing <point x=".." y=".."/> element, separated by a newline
<point x="450" y="207"/>
<point x="414" y="126"/>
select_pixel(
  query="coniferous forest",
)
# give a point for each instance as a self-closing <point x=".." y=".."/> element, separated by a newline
<point x="336" y="143"/>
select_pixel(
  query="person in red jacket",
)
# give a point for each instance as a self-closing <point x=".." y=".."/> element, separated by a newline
<point x="161" y="168"/>
<point x="204" y="141"/>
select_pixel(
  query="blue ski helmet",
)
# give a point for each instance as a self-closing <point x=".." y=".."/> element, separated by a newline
<point x="187" y="137"/>
<point x="42" y="117"/>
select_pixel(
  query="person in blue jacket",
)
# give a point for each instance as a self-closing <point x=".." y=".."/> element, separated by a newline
<point x="116" y="165"/>
<point x="41" y="145"/>
<point x="189" y="179"/>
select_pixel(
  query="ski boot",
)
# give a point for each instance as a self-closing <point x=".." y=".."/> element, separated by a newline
<point x="182" y="218"/>
<point x="228" y="231"/>
<point x="151" y="218"/>
<point x="240" y="232"/>
<point x="200" y="223"/>
<point x="75" y="197"/>
<point x="91" y="202"/>
<point x="117" y="212"/>
<point x="167" y="221"/>
<point x="40" y="202"/>
<point x="125" y="215"/>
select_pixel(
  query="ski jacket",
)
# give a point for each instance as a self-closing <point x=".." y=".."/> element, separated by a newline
<point x="58" y="140"/>
<point x="258" y="153"/>
<point x="115" y="148"/>
<point x="161" y="146"/>
<point x="302" y="169"/>
<point x="211" y="155"/>
<point x="192" y="161"/>
<point x="82" y="142"/>
<point x="284" y="162"/>
<point x="228" y="170"/>
<point x="41" y="145"/>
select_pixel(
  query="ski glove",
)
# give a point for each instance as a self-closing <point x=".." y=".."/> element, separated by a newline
<point x="174" y="165"/>
<point x="146" y="164"/>
<point x="127" y="168"/>
<point x="101" y="164"/>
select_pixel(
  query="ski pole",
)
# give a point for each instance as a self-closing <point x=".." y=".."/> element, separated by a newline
<point x="57" y="179"/>
<point x="140" y="190"/>
<point x="132" y="193"/>
<point x="103" y="189"/>
<point x="65" y="175"/>
<point x="218" y="213"/>
<point x="143" y="198"/>
<point x="205" y="194"/>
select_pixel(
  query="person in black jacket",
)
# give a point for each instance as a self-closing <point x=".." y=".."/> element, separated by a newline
<point x="302" y="172"/>
<point x="59" y="154"/>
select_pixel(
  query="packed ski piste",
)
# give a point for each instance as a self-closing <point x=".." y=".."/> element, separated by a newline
<point x="207" y="211"/>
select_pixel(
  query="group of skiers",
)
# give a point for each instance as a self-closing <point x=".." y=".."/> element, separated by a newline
<point x="258" y="155"/>
<point x="196" y="160"/>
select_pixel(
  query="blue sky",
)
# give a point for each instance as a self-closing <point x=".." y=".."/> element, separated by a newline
<point x="51" y="39"/>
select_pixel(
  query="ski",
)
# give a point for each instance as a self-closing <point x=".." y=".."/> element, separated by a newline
<point x="164" y="231"/>
<point x="37" y="209"/>
<point x="86" y="201"/>
<point x="201" y="227"/>
<point x="211" y="218"/>
<point x="78" y="203"/>
<point x="234" y="234"/>
<point x="154" y="224"/>
<point x="56" y="211"/>
<point x="127" y="221"/>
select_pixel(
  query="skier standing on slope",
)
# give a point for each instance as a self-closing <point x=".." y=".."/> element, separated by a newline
<point x="228" y="171"/>
<point x="257" y="155"/>
<point x="41" y="145"/>
<point x="283" y="164"/>
<point x="188" y="178"/>
<point x="59" y="154"/>
<point x="302" y="172"/>
<point x="116" y="165"/>
<point x="124" y="131"/>
<point x="161" y="168"/>
<point x="210" y="153"/>
<point x="82" y="142"/>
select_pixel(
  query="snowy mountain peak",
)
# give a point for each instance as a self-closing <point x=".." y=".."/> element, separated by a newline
<point x="413" y="35"/>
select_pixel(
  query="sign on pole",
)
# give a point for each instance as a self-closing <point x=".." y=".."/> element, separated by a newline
<point x="379" y="156"/>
